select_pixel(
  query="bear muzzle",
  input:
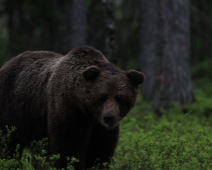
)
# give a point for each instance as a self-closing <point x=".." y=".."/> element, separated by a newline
<point x="110" y="118"/>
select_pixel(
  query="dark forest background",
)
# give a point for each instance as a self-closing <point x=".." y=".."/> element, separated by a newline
<point x="170" y="41"/>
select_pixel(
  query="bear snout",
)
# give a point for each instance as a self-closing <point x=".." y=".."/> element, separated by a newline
<point x="108" y="120"/>
<point x="110" y="116"/>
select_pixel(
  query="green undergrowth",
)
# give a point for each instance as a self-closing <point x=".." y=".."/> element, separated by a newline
<point x="181" y="139"/>
<point x="174" y="141"/>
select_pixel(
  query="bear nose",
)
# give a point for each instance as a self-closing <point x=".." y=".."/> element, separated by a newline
<point x="108" y="120"/>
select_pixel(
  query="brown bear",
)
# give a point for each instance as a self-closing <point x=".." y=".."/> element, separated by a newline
<point x="76" y="100"/>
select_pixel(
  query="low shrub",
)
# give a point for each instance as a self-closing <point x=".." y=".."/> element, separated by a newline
<point x="174" y="141"/>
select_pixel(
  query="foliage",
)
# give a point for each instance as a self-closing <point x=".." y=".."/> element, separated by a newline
<point x="4" y="141"/>
<point x="6" y="162"/>
<point x="202" y="77"/>
<point x="36" y="158"/>
<point x="174" y="141"/>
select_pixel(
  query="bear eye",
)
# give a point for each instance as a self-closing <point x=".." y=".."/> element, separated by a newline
<point x="103" y="98"/>
<point x="123" y="101"/>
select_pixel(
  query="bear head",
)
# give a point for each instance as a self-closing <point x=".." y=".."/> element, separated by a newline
<point x="109" y="93"/>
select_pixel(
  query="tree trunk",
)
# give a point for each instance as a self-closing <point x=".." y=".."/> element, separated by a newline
<point x="77" y="13"/>
<point x="148" y="37"/>
<point x="108" y="7"/>
<point x="15" y="26"/>
<point x="165" y="52"/>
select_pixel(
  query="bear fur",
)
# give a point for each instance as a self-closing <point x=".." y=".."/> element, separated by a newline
<point x="76" y="100"/>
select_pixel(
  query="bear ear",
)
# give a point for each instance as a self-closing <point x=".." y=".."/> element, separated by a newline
<point x="136" y="76"/>
<point x="90" y="73"/>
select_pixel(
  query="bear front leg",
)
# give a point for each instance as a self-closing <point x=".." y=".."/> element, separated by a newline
<point x="68" y="137"/>
<point x="66" y="148"/>
<point x="101" y="147"/>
